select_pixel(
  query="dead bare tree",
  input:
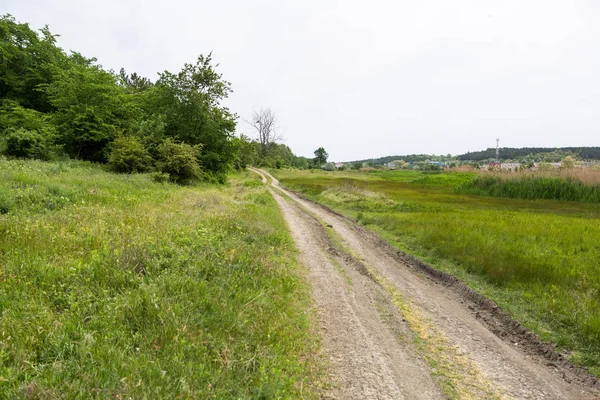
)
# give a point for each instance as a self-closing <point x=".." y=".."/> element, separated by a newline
<point x="265" y="123"/>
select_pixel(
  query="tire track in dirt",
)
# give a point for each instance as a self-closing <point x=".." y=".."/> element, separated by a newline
<point x="368" y="361"/>
<point x="363" y="323"/>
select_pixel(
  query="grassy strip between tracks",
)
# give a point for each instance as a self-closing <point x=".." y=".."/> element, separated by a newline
<point x="536" y="258"/>
<point x="114" y="286"/>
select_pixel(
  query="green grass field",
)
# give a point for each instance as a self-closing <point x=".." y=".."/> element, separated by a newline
<point x="114" y="286"/>
<point x="538" y="259"/>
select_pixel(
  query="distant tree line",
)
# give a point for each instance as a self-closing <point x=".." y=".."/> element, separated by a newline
<point x="411" y="158"/>
<point x="268" y="152"/>
<point x="523" y="155"/>
<point x="276" y="156"/>
<point x="547" y="154"/>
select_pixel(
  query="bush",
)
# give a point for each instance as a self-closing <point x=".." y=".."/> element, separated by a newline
<point x="24" y="143"/>
<point x="6" y="203"/>
<point x="427" y="166"/>
<point x="128" y="155"/>
<point x="160" y="177"/>
<point x="328" y="166"/>
<point x="568" y="162"/>
<point x="180" y="161"/>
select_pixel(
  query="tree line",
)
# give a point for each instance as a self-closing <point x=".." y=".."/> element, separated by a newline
<point x="525" y="154"/>
<point x="546" y="154"/>
<point x="55" y="105"/>
<point x="410" y="158"/>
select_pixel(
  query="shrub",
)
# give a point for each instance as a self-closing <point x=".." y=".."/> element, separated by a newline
<point x="180" y="161"/>
<point x="568" y="162"/>
<point x="128" y="155"/>
<point x="6" y="203"/>
<point x="160" y="177"/>
<point x="328" y="166"/>
<point x="24" y="143"/>
<point x="426" y="166"/>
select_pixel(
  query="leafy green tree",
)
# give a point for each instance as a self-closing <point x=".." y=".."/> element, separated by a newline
<point x="191" y="102"/>
<point x="26" y="133"/>
<point x="91" y="109"/>
<point x="301" y="162"/>
<point x="321" y="156"/>
<point x="22" y="143"/>
<point x="151" y="132"/>
<point x="27" y="60"/>
<point x="245" y="152"/>
<point x="284" y="154"/>
<point x="13" y="115"/>
<point x="134" y="83"/>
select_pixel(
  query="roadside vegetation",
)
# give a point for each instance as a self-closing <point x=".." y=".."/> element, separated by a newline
<point x="116" y="286"/>
<point x="536" y="258"/>
<point x="56" y="105"/>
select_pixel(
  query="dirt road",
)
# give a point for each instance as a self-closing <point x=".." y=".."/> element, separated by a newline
<point x="392" y="331"/>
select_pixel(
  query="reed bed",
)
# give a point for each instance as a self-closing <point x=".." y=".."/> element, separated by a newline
<point x="577" y="184"/>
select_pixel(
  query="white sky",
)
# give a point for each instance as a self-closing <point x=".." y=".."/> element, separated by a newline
<point x="366" y="78"/>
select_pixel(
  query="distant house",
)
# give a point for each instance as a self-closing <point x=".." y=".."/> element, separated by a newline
<point x="339" y="165"/>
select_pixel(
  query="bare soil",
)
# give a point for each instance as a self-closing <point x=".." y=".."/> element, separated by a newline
<point x="374" y="351"/>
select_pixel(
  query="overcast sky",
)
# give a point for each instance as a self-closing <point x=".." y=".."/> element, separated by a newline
<point x="366" y="78"/>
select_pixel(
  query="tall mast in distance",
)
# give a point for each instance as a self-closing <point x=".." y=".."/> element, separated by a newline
<point x="497" y="150"/>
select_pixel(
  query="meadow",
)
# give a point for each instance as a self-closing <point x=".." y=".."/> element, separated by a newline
<point x="115" y="286"/>
<point x="537" y="259"/>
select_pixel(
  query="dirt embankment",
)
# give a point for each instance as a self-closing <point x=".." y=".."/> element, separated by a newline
<point x="393" y="329"/>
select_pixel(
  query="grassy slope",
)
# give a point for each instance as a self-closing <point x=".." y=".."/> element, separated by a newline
<point x="116" y="286"/>
<point x="537" y="259"/>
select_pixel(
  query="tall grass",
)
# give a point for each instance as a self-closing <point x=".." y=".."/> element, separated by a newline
<point x="588" y="175"/>
<point x="580" y="184"/>
<point x="537" y="259"/>
<point x="113" y="286"/>
<point x="531" y="187"/>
